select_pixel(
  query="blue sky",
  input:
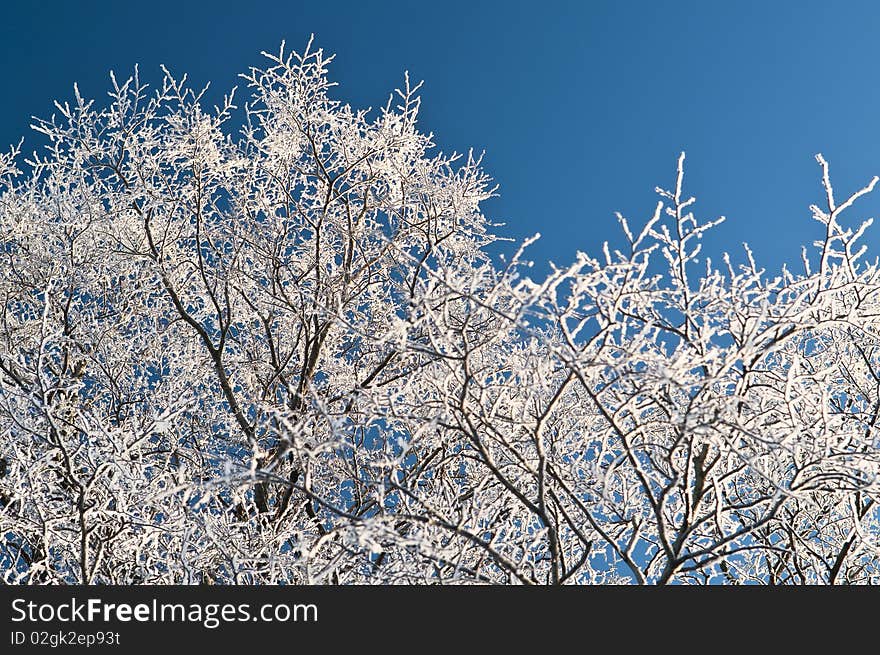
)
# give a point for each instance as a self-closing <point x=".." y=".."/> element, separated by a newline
<point x="582" y="107"/>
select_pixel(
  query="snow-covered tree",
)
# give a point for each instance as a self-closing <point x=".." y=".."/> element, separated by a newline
<point x="267" y="345"/>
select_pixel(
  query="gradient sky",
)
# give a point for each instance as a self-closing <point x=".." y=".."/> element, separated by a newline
<point x="581" y="107"/>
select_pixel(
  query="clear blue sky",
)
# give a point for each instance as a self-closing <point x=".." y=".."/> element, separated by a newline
<point x="582" y="107"/>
